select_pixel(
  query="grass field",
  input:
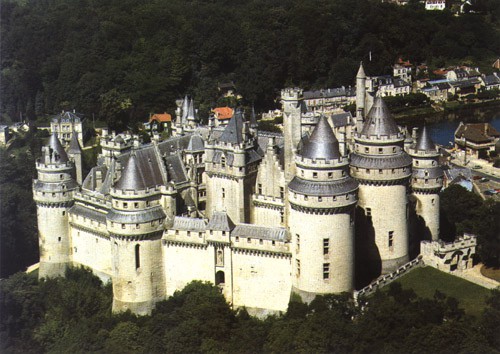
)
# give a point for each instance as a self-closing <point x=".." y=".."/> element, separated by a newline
<point x="425" y="281"/>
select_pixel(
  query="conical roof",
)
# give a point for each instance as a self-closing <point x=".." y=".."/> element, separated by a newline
<point x="185" y="108"/>
<point x="253" y="119"/>
<point x="361" y="72"/>
<point x="132" y="177"/>
<point x="322" y="144"/>
<point x="190" y="114"/>
<point x="424" y="141"/>
<point x="232" y="133"/>
<point x="379" y="120"/>
<point x="74" y="145"/>
<point x="56" y="147"/>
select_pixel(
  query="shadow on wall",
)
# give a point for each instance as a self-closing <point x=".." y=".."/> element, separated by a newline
<point x="368" y="260"/>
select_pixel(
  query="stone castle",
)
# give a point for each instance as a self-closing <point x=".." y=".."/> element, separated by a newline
<point x="322" y="208"/>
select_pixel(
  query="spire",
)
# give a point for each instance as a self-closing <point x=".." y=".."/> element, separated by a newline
<point x="361" y="72"/>
<point x="57" y="148"/>
<point x="74" y="145"/>
<point x="424" y="141"/>
<point x="253" y="119"/>
<point x="190" y="112"/>
<point x="131" y="178"/>
<point x="379" y="120"/>
<point x="233" y="132"/>
<point x="322" y="144"/>
<point x="185" y="108"/>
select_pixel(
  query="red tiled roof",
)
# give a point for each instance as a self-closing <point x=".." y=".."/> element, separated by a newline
<point x="222" y="113"/>
<point x="161" y="117"/>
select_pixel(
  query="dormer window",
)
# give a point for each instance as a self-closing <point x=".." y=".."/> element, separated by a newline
<point x="223" y="161"/>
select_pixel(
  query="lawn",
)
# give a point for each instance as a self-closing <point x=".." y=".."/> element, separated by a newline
<point x="425" y="281"/>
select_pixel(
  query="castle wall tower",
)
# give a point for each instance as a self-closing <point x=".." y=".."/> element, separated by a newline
<point x="291" y="100"/>
<point x="360" y="96"/>
<point x="325" y="195"/>
<point x="53" y="194"/>
<point x="427" y="181"/>
<point x="231" y="167"/>
<point x="136" y="223"/>
<point x="382" y="168"/>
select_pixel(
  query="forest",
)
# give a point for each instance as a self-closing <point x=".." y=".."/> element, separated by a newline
<point x="119" y="60"/>
<point x="74" y="315"/>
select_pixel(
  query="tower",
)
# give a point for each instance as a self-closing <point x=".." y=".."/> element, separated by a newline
<point x="427" y="181"/>
<point x="360" y="96"/>
<point x="75" y="154"/>
<point x="135" y="223"/>
<point x="53" y="193"/>
<point x="291" y="101"/>
<point x="325" y="195"/>
<point x="231" y="166"/>
<point x="382" y="168"/>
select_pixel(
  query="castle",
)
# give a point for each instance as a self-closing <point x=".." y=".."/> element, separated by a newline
<point x="324" y="207"/>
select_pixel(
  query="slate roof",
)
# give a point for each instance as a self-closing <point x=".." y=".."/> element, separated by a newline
<point x="88" y="213"/>
<point x="323" y="188"/>
<point x="341" y="119"/>
<point x="136" y="216"/>
<point x="141" y="171"/>
<point x="477" y="132"/>
<point x="57" y="148"/>
<point x="233" y="132"/>
<point x="322" y="144"/>
<point x="424" y="141"/>
<point x="380" y="162"/>
<point x="260" y="232"/>
<point x="189" y="224"/>
<point x="329" y="93"/>
<point x="74" y="145"/>
<point x="379" y="120"/>
<point x="67" y="117"/>
<point x="220" y="221"/>
<point x="490" y="80"/>
<point x="195" y="143"/>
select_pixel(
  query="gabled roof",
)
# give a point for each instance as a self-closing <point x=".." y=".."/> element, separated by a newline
<point x="322" y="144"/>
<point x="379" y="120"/>
<point x="477" y="132"/>
<point x="424" y="141"/>
<point x="233" y="132"/>
<point x="161" y="117"/>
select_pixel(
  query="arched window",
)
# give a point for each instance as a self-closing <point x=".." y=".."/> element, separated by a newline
<point x="137" y="257"/>
<point x="219" y="277"/>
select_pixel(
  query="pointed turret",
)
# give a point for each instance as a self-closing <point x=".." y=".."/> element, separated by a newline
<point x="360" y="96"/>
<point x="322" y="144"/>
<point x="253" y="119"/>
<point x="361" y="72"/>
<point x="74" y="145"/>
<point x="185" y="109"/>
<point x="424" y="141"/>
<point x="191" y="113"/>
<point x="75" y="153"/>
<point x="233" y="132"/>
<point x="132" y="177"/>
<point x="56" y="149"/>
<point x="379" y="121"/>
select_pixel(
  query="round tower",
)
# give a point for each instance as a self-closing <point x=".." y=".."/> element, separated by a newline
<point x="53" y="194"/>
<point x="360" y="96"/>
<point x="325" y="195"/>
<point x="135" y="223"/>
<point x="427" y="181"/>
<point x="382" y="168"/>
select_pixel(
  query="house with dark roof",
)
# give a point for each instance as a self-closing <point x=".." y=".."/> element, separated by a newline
<point x="476" y="139"/>
<point x="490" y="82"/>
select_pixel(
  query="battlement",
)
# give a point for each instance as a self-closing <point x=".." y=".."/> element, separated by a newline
<point x="292" y="94"/>
<point x="321" y="163"/>
<point x="135" y="194"/>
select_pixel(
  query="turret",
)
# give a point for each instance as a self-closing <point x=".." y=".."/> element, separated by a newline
<point x="135" y="223"/>
<point x="426" y="183"/>
<point x="291" y="101"/>
<point x="53" y="193"/>
<point x="231" y="168"/>
<point x="325" y="195"/>
<point x="382" y="168"/>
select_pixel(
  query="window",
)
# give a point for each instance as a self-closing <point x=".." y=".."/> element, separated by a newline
<point x="330" y="175"/>
<point x="282" y="216"/>
<point x="282" y="192"/>
<point x="367" y="170"/>
<point x="136" y="226"/>
<point x="59" y="239"/>
<point x="136" y="205"/>
<point x="391" y="239"/>
<point x="380" y="150"/>
<point x="369" y="212"/>
<point x="297" y="241"/>
<point x="249" y="240"/>
<point x="302" y="173"/>
<point x="211" y="232"/>
<point x="273" y="243"/>
<point x="394" y="149"/>
<point x="223" y="161"/>
<point x="64" y="212"/>
<point x="223" y="193"/>
<point x="326" y="246"/>
<point x="199" y="234"/>
<point x="177" y="232"/>
<point x="223" y="233"/>
<point x="237" y="239"/>
<point x="298" y="267"/>
<point x="137" y="257"/>
<point x="367" y="150"/>
<point x="380" y="172"/>
<point x="320" y="199"/>
<point x="123" y="226"/>
<point x="125" y="205"/>
<point x="426" y="181"/>
<point x="432" y="201"/>
<point x="315" y="174"/>
<point x="261" y="241"/>
<point x="306" y="197"/>
<point x="189" y="233"/>
<point x="326" y="270"/>
<point x="259" y="188"/>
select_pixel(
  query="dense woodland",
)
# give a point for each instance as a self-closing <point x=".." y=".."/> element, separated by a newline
<point x="74" y="315"/>
<point x="118" y="60"/>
